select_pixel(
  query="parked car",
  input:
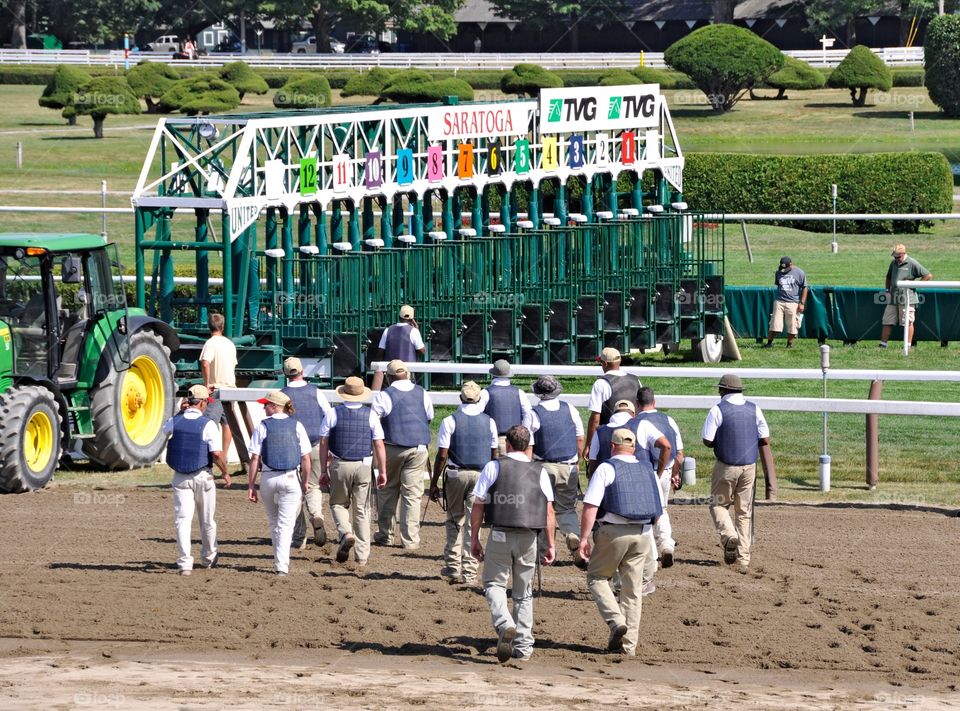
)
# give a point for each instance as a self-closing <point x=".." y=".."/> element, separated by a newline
<point x="166" y="43"/>
<point x="365" y="44"/>
<point x="308" y="45"/>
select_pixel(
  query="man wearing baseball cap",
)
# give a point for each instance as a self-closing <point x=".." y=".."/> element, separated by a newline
<point x="310" y="406"/>
<point x="402" y="340"/>
<point x="193" y="449"/>
<point x="620" y="506"/>
<point x="279" y="445"/>
<point x="902" y="268"/>
<point x="467" y="440"/>
<point x="734" y="429"/>
<point x="791" y="283"/>
<point x="406" y="412"/>
<point x="614" y="385"/>
<point x="352" y="433"/>
<point x="504" y="402"/>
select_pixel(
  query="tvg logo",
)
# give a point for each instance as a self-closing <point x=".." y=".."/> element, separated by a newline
<point x="556" y="106"/>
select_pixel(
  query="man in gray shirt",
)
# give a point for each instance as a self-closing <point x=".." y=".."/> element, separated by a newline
<point x="791" y="285"/>
<point x="902" y="268"/>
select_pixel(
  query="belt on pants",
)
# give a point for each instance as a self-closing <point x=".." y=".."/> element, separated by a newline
<point x="510" y="529"/>
<point x="193" y="473"/>
<point x="644" y="527"/>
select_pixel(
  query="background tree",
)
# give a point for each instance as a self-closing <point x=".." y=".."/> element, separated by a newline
<point x="243" y="79"/>
<point x="151" y="80"/>
<point x="829" y="15"/>
<point x="795" y="75"/>
<point x="723" y="11"/>
<point x="562" y="13"/>
<point x="103" y="96"/>
<point x="304" y="91"/>
<point x="18" y="33"/>
<point x="58" y="94"/>
<point x="724" y="61"/>
<point x="941" y="56"/>
<point x="203" y="94"/>
<point x="860" y="71"/>
<point x="528" y="80"/>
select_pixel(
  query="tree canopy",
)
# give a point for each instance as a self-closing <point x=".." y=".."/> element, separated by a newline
<point x="243" y="79"/>
<point x="103" y="96"/>
<point x="795" y="74"/>
<point x="941" y="49"/>
<point x="58" y="94"/>
<point x="151" y="80"/>
<point x="203" y="94"/>
<point x="860" y="71"/>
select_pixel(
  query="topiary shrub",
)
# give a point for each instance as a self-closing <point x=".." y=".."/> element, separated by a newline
<point x="369" y="83"/>
<point x="619" y="77"/>
<point x="243" y="79"/>
<point x="528" y="80"/>
<point x="103" y="96"/>
<point x="59" y="92"/>
<point x="202" y="94"/>
<point x="305" y="91"/>
<point x="649" y="75"/>
<point x="941" y="50"/>
<point x="416" y="90"/>
<point x="724" y="61"/>
<point x="795" y="75"/>
<point x="860" y="71"/>
<point x="912" y="182"/>
<point x="151" y="80"/>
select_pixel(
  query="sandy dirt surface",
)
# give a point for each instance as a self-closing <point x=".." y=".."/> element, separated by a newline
<point x="845" y="607"/>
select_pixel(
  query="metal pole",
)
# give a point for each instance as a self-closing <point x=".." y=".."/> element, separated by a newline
<point x="103" y="203"/>
<point x="873" y="439"/>
<point x="19" y="155"/>
<point x="834" y="247"/>
<point x="824" y="458"/>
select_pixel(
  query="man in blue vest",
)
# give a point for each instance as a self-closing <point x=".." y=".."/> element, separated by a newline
<point x="467" y="440"/>
<point x="504" y="402"/>
<point x="194" y="447"/>
<point x="558" y="440"/>
<point x="352" y="433"/>
<point x="623" y="500"/>
<point x="402" y="340"/>
<point x="614" y="385"/>
<point x="735" y="429"/>
<point x="405" y="410"/>
<point x="670" y="478"/>
<point x="310" y="408"/>
<point x="514" y="495"/>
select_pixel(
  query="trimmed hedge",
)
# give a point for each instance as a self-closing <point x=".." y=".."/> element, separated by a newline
<point x="867" y="182"/>
<point x="528" y="79"/>
<point x="619" y="77"/>
<point x="795" y="75"/>
<point x="369" y="83"/>
<point x="304" y="91"/>
<point x="413" y="90"/>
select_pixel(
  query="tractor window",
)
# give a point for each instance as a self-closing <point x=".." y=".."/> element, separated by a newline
<point x="23" y="308"/>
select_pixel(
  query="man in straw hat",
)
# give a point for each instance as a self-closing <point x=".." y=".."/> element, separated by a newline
<point x="620" y="506"/>
<point x="504" y="402"/>
<point x="405" y="409"/>
<point x="734" y="429"/>
<point x="402" y="340"/>
<point x="193" y="449"/>
<point x="352" y="433"/>
<point x="614" y="385"/>
<point x="278" y="445"/>
<point x="467" y="440"/>
<point x="558" y="440"/>
<point x="310" y="407"/>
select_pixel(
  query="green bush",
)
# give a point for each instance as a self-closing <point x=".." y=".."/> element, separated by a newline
<point x="60" y="91"/>
<point x="203" y="94"/>
<point x="724" y="61"/>
<point x="649" y="75"/>
<point x="580" y="77"/>
<point x="618" y="77"/>
<point x="151" y="80"/>
<point x="528" y="80"/>
<point x="243" y="79"/>
<point x="483" y="79"/>
<point x="308" y="91"/>
<point x="102" y="96"/>
<point x="907" y="76"/>
<point x="795" y="75"/>
<point x="941" y="49"/>
<point x="860" y="71"/>
<point x="867" y="182"/>
<point x="414" y="90"/>
<point x="369" y="83"/>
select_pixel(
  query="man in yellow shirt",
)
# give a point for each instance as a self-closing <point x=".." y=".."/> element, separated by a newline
<point x="218" y="364"/>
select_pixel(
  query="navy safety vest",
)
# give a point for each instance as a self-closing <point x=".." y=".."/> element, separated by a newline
<point x="407" y="425"/>
<point x="470" y="443"/>
<point x="503" y="406"/>
<point x="604" y="435"/>
<point x="662" y="423"/>
<point x="399" y="344"/>
<point x="186" y="450"/>
<point x="623" y="387"/>
<point x="352" y="440"/>
<point x="737" y="437"/>
<point x="634" y="493"/>
<point x="556" y="440"/>
<point x="516" y="499"/>
<point x="281" y="446"/>
<point x="308" y="411"/>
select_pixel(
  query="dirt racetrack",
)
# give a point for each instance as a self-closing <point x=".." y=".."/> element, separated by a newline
<point x="845" y="607"/>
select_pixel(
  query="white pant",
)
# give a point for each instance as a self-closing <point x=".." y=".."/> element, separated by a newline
<point x="281" y="494"/>
<point x="191" y="492"/>
<point x="662" y="529"/>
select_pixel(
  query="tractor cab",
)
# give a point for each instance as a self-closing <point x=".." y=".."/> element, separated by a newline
<point x="53" y="290"/>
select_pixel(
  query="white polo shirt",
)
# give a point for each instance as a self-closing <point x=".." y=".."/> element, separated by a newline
<point x="491" y="472"/>
<point x="448" y="426"/>
<point x="715" y="418"/>
<point x="260" y="434"/>
<point x="603" y="477"/>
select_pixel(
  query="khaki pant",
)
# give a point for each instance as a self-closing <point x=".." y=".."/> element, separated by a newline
<point x="784" y="312"/>
<point x="350" y="497"/>
<point x="565" y="480"/>
<point x="511" y="553"/>
<point x="627" y="550"/>
<point x="734" y="485"/>
<point x="502" y="444"/>
<point x="405" y="468"/>
<point x="459" y="491"/>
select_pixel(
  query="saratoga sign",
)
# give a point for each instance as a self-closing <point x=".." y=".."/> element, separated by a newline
<point x="490" y="120"/>
<point x="599" y="108"/>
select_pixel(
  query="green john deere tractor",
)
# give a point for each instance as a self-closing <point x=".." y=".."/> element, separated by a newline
<point x="81" y="375"/>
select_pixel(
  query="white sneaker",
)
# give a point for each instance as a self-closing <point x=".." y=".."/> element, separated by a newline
<point x="649" y="588"/>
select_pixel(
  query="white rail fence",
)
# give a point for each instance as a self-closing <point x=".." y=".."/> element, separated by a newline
<point x="894" y="56"/>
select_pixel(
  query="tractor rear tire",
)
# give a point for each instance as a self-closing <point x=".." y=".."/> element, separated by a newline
<point x="130" y="407"/>
<point x="30" y="434"/>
